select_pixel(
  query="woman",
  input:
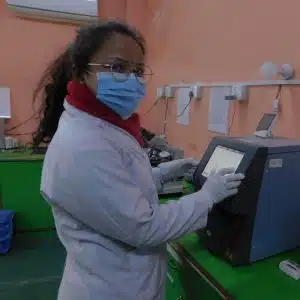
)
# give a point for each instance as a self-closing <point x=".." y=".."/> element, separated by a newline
<point x="98" y="179"/>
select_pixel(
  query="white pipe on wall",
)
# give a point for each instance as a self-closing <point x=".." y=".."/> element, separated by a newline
<point x="245" y="83"/>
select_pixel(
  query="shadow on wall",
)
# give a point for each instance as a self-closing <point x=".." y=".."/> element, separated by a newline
<point x="214" y="41"/>
<point x="27" y="46"/>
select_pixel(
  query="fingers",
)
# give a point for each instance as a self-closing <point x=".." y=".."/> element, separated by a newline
<point x="195" y="162"/>
<point x="226" y="171"/>
<point x="232" y="192"/>
<point x="233" y="184"/>
<point x="234" y="177"/>
<point x="190" y="162"/>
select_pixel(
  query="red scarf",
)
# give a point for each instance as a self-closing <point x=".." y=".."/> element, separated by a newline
<point x="81" y="97"/>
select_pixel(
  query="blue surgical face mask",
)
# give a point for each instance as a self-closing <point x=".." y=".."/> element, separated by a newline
<point x="123" y="97"/>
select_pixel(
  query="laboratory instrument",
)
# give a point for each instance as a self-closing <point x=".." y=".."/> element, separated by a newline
<point x="159" y="151"/>
<point x="265" y="125"/>
<point x="172" y="188"/>
<point x="189" y="176"/>
<point x="263" y="218"/>
<point x="291" y="268"/>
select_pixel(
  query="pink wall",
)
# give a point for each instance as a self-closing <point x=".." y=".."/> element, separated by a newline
<point x="112" y="9"/>
<point x="135" y="12"/>
<point x="187" y="41"/>
<point x="26" y="49"/>
<point x="210" y="40"/>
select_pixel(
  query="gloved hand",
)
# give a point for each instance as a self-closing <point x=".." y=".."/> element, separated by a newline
<point x="222" y="184"/>
<point x="176" y="168"/>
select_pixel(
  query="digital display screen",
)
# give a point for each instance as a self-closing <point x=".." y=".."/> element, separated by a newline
<point x="265" y="122"/>
<point x="221" y="158"/>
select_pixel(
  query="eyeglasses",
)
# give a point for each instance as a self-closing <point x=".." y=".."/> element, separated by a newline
<point x="122" y="70"/>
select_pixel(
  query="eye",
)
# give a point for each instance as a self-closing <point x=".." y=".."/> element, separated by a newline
<point x="139" y="71"/>
<point x="120" y="67"/>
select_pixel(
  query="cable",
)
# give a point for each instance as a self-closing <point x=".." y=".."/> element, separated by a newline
<point x="278" y="93"/>
<point x="191" y="96"/>
<point x="19" y="134"/>
<point x="166" y="117"/>
<point x="152" y="107"/>
<point x="22" y="123"/>
<point x="232" y="118"/>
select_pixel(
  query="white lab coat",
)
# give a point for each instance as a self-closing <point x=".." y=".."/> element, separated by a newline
<point x="103" y="192"/>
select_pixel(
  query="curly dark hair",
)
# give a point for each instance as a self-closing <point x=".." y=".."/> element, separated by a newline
<point x="72" y="64"/>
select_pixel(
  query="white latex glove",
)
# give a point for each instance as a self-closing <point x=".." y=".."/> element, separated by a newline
<point x="222" y="184"/>
<point x="176" y="168"/>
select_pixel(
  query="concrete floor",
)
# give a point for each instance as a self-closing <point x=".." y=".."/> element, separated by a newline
<point x="32" y="270"/>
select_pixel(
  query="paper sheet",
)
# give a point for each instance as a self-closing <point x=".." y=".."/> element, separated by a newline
<point x="5" y="103"/>
<point x="219" y="110"/>
<point x="183" y="106"/>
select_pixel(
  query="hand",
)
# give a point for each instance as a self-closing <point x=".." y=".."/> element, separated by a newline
<point x="223" y="184"/>
<point x="176" y="168"/>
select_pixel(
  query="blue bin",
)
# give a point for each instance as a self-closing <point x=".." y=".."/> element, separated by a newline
<point x="6" y="230"/>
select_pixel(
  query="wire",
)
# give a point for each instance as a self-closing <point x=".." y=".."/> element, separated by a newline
<point x="19" y="134"/>
<point x="166" y="117"/>
<point x="191" y="96"/>
<point x="151" y="107"/>
<point x="232" y="118"/>
<point x="22" y="123"/>
<point x="278" y="93"/>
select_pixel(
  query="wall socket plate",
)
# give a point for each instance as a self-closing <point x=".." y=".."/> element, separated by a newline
<point x="240" y="92"/>
<point x="169" y="92"/>
<point x="160" y="93"/>
<point x="197" y="92"/>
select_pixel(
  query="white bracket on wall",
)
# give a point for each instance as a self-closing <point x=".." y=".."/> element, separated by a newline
<point x="169" y="92"/>
<point x="239" y="90"/>
<point x="197" y="92"/>
<point x="160" y="93"/>
<point x="242" y="83"/>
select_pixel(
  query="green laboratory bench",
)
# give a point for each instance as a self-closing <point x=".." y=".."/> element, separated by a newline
<point x="195" y="274"/>
<point x="20" y="175"/>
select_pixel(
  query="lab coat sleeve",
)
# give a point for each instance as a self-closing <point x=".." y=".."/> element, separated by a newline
<point x="157" y="178"/>
<point x="111" y="203"/>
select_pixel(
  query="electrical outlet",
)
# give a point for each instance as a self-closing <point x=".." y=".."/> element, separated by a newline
<point x="240" y="92"/>
<point x="160" y="93"/>
<point x="169" y="92"/>
<point x="197" y="92"/>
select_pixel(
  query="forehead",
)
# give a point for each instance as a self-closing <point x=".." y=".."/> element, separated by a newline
<point x="120" y="46"/>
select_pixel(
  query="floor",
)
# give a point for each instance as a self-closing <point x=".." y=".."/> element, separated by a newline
<point x="32" y="270"/>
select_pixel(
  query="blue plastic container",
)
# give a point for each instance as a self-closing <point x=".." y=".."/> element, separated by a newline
<point x="6" y="230"/>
